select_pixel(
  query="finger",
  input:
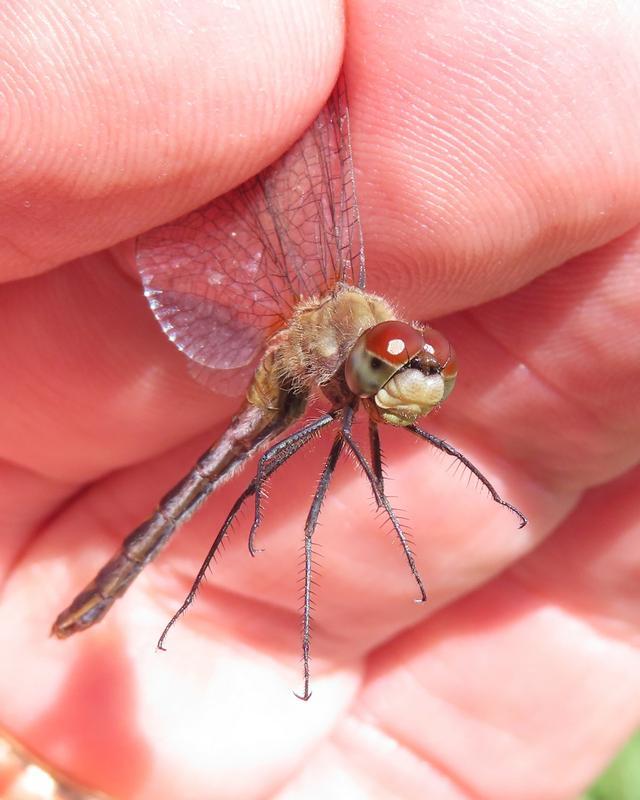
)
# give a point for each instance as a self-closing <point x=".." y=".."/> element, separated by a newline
<point x="92" y="375"/>
<point x="507" y="615"/>
<point x="107" y="699"/>
<point x="590" y="565"/>
<point x="26" y="500"/>
<point x="550" y="376"/>
<point x="119" y="117"/>
<point x="446" y="529"/>
<point x="490" y="143"/>
<point x="542" y="680"/>
<point x="416" y="303"/>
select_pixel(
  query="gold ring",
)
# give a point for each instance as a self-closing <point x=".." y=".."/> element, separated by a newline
<point x="23" y="776"/>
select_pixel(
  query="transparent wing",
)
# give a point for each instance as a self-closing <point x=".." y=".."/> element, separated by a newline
<point x="225" y="277"/>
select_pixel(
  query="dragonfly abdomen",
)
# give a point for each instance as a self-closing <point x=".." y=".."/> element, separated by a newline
<point x="249" y="430"/>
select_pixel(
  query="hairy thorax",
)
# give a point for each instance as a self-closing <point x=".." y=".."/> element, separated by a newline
<point x="309" y="352"/>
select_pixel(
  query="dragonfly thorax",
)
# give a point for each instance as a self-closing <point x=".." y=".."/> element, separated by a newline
<point x="350" y="343"/>
<point x="311" y="350"/>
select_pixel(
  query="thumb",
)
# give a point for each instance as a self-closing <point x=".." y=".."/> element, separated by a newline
<point x="120" y="116"/>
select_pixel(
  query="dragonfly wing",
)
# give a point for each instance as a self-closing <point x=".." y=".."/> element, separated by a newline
<point x="230" y="382"/>
<point x="225" y="277"/>
<point x="201" y="277"/>
<point x="309" y="195"/>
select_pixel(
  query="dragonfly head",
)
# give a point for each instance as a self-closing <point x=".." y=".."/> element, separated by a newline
<point x="401" y="371"/>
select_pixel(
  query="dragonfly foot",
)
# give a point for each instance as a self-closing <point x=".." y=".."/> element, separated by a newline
<point x="519" y="514"/>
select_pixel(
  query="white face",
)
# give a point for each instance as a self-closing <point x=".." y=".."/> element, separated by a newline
<point x="408" y="395"/>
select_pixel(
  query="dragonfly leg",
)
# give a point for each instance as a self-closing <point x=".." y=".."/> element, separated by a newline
<point x="376" y="455"/>
<point x="383" y="501"/>
<point x="273" y="459"/>
<point x="278" y="457"/>
<point x="309" y="528"/>
<point x="451" y="451"/>
<point x="205" y="564"/>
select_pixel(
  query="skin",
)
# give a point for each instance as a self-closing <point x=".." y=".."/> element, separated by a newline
<point x="499" y="185"/>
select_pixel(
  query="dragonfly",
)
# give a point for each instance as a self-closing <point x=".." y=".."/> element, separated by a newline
<point x="264" y="288"/>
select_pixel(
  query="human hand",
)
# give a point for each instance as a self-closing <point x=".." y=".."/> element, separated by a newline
<point x="498" y="180"/>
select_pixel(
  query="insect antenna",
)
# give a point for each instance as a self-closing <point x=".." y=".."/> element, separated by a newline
<point x="445" y="447"/>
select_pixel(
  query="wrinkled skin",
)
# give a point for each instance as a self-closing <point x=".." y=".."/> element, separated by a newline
<point x="499" y="184"/>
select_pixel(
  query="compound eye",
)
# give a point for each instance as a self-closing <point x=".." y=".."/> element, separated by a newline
<point x="438" y="347"/>
<point x="378" y="354"/>
<point x="365" y="372"/>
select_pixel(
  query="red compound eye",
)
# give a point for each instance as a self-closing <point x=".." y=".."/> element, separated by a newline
<point x="379" y="353"/>
<point x="388" y="347"/>
<point x="438" y="346"/>
<point x="394" y="342"/>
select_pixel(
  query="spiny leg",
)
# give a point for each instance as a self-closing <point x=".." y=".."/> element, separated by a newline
<point x="376" y="454"/>
<point x="276" y="458"/>
<point x="451" y="451"/>
<point x="205" y="564"/>
<point x="309" y="528"/>
<point x="382" y="500"/>
<point x="283" y="449"/>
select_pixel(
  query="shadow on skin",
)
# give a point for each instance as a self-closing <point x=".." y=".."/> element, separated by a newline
<point x="90" y="730"/>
